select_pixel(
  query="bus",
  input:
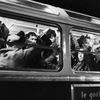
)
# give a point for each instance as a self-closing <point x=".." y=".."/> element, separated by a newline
<point x="48" y="52"/>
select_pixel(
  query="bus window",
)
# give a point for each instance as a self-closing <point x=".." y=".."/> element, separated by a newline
<point x="85" y="50"/>
<point x="28" y="46"/>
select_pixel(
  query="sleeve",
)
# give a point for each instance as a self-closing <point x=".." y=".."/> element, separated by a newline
<point x="14" y="58"/>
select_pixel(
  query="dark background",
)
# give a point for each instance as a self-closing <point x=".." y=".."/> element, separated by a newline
<point x="90" y="7"/>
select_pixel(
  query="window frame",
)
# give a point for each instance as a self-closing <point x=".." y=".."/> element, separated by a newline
<point x="90" y="31"/>
<point x="21" y="17"/>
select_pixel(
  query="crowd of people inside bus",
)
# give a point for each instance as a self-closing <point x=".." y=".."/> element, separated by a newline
<point x="28" y="50"/>
<point x="85" y="53"/>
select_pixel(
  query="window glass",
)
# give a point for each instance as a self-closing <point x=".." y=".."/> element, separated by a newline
<point x="85" y="50"/>
<point x="26" y="45"/>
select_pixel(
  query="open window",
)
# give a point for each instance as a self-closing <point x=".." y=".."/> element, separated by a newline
<point x="28" y="46"/>
<point x="85" y="50"/>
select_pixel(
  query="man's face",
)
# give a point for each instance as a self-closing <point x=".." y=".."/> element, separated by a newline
<point x="80" y="56"/>
<point x="32" y="39"/>
<point x="52" y="38"/>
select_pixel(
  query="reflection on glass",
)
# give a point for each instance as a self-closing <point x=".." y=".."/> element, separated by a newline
<point x="25" y="45"/>
<point x="85" y="50"/>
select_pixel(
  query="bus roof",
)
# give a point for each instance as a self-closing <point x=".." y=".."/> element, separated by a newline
<point x="33" y="5"/>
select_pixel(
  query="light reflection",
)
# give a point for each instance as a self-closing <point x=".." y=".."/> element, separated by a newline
<point x="9" y="1"/>
<point x="33" y="4"/>
<point x="82" y="78"/>
<point x="95" y="21"/>
<point x="64" y="47"/>
<point x="51" y="9"/>
<point x="94" y="78"/>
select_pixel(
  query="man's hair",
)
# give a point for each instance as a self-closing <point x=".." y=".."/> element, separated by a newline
<point x="21" y="34"/>
<point x="81" y="40"/>
<point x="50" y="32"/>
<point x="31" y="33"/>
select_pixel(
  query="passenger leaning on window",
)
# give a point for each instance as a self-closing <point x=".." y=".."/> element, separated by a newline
<point x="48" y="56"/>
<point x="23" y="55"/>
<point x="81" y="64"/>
<point x="16" y="56"/>
<point x="88" y="62"/>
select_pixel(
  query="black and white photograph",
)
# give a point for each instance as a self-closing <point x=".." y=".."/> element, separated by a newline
<point x="50" y="49"/>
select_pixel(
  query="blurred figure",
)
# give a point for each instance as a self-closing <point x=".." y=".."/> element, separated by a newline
<point x="24" y="55"/>
<point x="74" y="43"/>
<point x="16" y="56"/>
<point x="49" y="55"/>
<point x="45" y="57"/>
<point x="86" y="45"/>
<point x="48" y="37"/>
<point x="17" y="40"/>
<point x="4" y="32"/>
